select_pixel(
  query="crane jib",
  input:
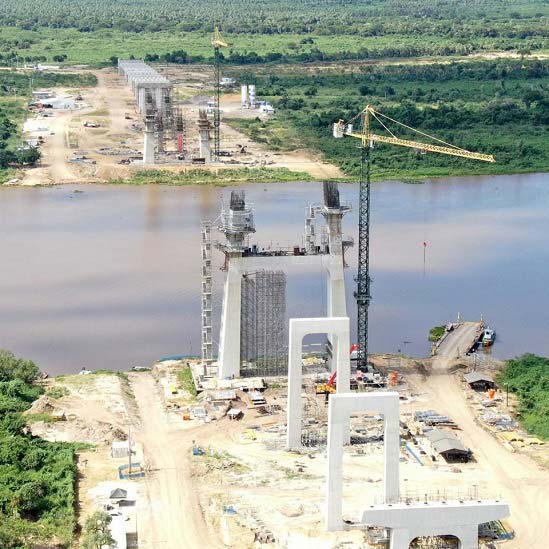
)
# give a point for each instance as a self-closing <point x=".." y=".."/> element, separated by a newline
<point x="366" y="138"/>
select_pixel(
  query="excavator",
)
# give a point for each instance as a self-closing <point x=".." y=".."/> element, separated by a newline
<point x="327" y="388"/>
<point x="330" y="387"/>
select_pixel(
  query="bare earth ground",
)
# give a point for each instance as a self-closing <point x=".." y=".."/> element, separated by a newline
<point x="170" y="515"/>
<point x="180" y="500"/>
<point x="108" y="103"/>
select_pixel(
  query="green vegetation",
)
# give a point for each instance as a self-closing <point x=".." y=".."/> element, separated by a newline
<point x="528" y="377"/>
<point x="92" y="31"/>
<point x="97" y="533"/>
<point x="219" y="177"/>
<point x="186" y="382"/>
<point x="498" y="107"/>
<point x="436" y="333"/>
<point x="35" y="418"/>
<point x="37" y="478"/>
<point x="57" y="392"/>
<point x="17" y="83"/>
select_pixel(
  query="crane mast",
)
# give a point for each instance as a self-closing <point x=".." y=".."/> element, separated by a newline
<point x="345" y="129"/>
<point x="217" y="43"/>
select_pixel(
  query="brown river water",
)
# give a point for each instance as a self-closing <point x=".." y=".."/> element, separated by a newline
<point x="109" y="276"/>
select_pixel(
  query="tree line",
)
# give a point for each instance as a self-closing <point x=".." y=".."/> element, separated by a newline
<point x="528" y="377"/>
<point x="37" y="478"/>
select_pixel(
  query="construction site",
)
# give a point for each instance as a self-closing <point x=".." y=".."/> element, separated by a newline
<point x="262" y="442"/>
<point x="143" y="118"/>
<point x="277" y="445"/>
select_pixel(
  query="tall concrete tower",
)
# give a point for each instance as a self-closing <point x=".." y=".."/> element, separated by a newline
<point x="148" y="139"/>
<point x="241" y="259"/>
<point x="333" y="212"/>
<point x="237" y="222"/>
<point x="204" y="128"/>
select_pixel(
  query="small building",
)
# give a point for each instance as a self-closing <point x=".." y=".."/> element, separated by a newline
<point x="448" y="446"/>
<point x="120" y="449"/>
<point x="234" y="413"/>
<point x="118" y="494"/>
<point x="43" y="94"/>
<point x="479" y="382"/>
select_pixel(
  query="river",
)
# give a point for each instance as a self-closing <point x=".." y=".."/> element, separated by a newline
<point x="109" y="276"/>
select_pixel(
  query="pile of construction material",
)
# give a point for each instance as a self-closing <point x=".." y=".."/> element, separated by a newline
<point x="432" y="418"/>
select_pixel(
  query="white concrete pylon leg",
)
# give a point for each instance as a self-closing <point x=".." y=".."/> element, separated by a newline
<point x="300" y="327"/>
<point x="341" y="406"/>
<point x="229" y="344"/>
<point x="468" y="536"/>
<point x="399" y="539"/>
<point x="336" y="301"/>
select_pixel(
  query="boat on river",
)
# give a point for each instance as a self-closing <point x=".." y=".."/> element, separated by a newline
<point x="488" y="337"/>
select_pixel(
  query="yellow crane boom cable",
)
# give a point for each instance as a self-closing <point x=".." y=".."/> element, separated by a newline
<point x="375" y="116"/>
<point x="417" y="131"/>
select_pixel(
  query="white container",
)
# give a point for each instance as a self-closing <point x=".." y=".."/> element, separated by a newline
<point x="244" y="94"/>
<point x="251" y="94"/>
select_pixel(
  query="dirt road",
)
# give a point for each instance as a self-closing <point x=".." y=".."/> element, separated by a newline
<point x="515" y="478"/>
<point x="170" y="515"/>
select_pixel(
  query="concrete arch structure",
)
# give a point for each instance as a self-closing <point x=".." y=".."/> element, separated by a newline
<point x="340" y="408"/>
<point x="338" y="328"/>
<point x="406" y="520"/>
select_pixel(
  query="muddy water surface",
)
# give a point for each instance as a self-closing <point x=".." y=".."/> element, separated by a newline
<point x="109" y="276"/>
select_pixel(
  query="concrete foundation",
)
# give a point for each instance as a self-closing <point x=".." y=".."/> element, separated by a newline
<point x="453" y="518"/>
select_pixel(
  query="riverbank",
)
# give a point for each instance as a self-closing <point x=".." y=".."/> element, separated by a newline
<point x="224" y="177"/>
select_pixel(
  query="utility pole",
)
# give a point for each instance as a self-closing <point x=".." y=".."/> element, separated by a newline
<point x="130" y="450"/>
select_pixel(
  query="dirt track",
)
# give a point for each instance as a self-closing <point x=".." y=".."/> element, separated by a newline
<point x="170" y="516"/>
<point x="513" y="477"/>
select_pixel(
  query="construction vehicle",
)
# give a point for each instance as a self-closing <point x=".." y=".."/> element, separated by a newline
<point x="327" y="388"/>
<point x="368" y="138"/>
<point x="330" y="387"/>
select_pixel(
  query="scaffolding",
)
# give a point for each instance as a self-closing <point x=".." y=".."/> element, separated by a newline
<point x="263" y="341"/>
<point x="180" y="131"/>
<point x="206" y="294"/>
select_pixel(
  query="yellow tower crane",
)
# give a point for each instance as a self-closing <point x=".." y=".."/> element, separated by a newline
<point x="368" y="138"/>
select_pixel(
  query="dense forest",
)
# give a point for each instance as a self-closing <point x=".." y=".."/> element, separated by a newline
<point x="37" y="478"/>
<point x="92" y="31"/>
<point x="497" y="107"/>
<point x="528" y="377"/>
